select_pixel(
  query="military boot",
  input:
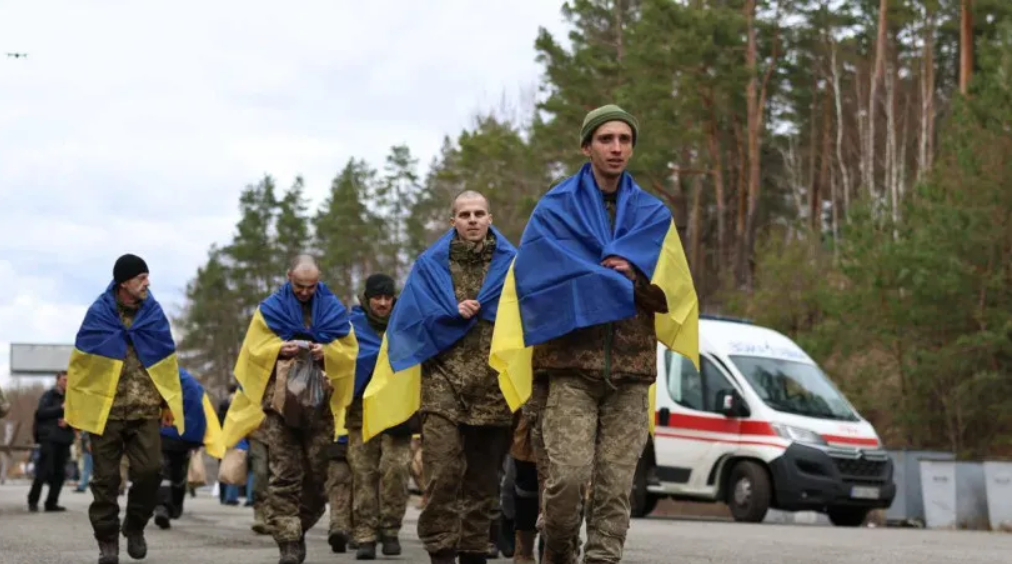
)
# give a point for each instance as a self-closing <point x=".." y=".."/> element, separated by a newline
<point x="289" y="552"/>
<point x="108" y="551"/>
<point x="391" y="545"/>
<point x="442" y="557"/>
<point x="366" y="551"/>
<point x="524" y="551"/>
<point x="162" y="518"/>
<point x="137" y="547"/>
<point x="338" y="541"/>
<point x="473" y="558"/>
<point x="300" y="548"/>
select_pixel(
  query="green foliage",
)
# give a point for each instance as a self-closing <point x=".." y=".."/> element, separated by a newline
<point x="911" y="312"/>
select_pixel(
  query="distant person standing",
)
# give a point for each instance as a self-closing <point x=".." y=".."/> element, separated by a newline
<point x="123" y="386"/>
<point x="55" y="438"/>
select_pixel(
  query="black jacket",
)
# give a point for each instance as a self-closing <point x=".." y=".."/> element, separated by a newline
<point x="47" y="418"/>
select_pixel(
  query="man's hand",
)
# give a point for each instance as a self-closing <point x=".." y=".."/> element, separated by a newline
<point x="620" y="265"/>
<point x="167" y="418"/>
<point x="317" y="351"/>
<point x="289" y="349"/>
<point x="468" y="308"/>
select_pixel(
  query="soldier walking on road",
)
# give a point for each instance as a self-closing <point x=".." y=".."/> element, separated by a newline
<point x="122" y="387"/>
<point x="438" y="343"/>
<point x="380" y="466"/>
<point x="595" y="239"/>
<point x="300" y="340"/>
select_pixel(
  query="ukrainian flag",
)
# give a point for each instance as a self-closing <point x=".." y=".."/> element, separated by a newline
<point x="97" y="361"/>
<point x="279" y="319"/>
<point x="425" y="323"/>
<point x="202" y="427"/>
<point x="557" y="284"/>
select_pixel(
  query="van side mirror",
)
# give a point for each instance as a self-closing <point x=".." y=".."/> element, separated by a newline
<point x="731" y="404"/>
<point x="664" y="417"/>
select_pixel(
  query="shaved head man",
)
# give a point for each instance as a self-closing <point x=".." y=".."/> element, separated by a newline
<point x="304" y="275"/>
<point x="471" y="217"/>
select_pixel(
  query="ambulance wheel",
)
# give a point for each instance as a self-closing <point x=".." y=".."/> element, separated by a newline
<point x="641" y="501"/>
<point x="749" y="492"/>
<point x="847" y="516"/>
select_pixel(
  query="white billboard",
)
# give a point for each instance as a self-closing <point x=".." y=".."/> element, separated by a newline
<point x="31" y="359"/>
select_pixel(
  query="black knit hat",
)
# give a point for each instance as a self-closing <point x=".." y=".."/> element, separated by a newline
<point x="379" y="285"/>
<point x="128" y="266"/>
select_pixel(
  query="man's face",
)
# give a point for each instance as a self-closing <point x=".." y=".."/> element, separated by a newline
<point x="381" y="305"/>
<point x="610" y="148"/>
<point x="61" y="382"/>
<point x="304" y="281"/>
<point x="471" y="218"/>
<point x="137" y="287"/>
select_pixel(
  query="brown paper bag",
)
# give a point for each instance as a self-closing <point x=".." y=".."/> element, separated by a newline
<point x="196" y="476"/>
<point x="233" y="469"/>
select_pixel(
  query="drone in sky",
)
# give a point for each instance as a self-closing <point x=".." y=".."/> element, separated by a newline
<point x="18" y="55"/>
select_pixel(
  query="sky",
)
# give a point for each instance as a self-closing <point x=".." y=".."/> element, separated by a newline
<point x="133" y="126"/>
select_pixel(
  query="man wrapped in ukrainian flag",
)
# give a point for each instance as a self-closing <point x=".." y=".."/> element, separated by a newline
<point x="599" y="278"/>
<point x="122" y="387"/>
<point x="202" y="430"/>
<point x="303" y="315"/>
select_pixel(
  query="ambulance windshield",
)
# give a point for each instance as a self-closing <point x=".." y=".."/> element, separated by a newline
<point x="794" y="387"/>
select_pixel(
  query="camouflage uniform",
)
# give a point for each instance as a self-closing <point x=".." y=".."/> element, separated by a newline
<point x="339" y="490"/>
<point x="465" y="427"/>
<point x="380" y="469"/>
<point x="297" y="468"/>
<point x="595" y="425"/>
<point x="133" y="432"/>
<point x="258" y="463"/>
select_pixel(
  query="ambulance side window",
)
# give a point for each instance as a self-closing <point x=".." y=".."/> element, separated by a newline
<point x="688" y="388"/>
<point x="713" y="382"/>
<point x="685" y="386"/>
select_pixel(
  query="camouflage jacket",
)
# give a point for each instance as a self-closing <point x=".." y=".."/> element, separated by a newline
<point x="458" y="383"/>
<point x="136" y="394"/>
<point x="622" y="351"/>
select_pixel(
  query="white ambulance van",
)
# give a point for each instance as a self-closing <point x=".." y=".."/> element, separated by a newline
<point x="759" y="426"/>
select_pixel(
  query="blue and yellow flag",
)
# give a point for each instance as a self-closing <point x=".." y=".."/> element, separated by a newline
<point x="202" y="427"/>
<point x="557" y="284"/>
<point x="368" y="349"/>
<point x="279" y="319"/>
<point x="425" y="323"/>
<point x="97" y="361"/>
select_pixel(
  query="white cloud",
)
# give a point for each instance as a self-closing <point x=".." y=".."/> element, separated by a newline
<point x="132" y="127"/>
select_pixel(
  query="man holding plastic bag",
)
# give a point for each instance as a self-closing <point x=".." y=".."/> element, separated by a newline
<point x="296" y="375"/>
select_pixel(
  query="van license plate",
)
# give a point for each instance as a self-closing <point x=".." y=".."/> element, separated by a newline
<point x="858" y="492"/>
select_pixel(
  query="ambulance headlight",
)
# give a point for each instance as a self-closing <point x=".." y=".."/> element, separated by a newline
<point x="798" y="434"/>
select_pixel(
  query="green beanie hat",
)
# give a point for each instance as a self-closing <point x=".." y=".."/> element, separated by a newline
<point x="598" y="117"/>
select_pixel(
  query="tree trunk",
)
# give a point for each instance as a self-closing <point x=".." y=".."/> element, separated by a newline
<point x="876" y="76"/>
<point x="717" y="164"/>
<point x="926" y="148"/>
<point x="965" y="46"/>
<point x="824" y="158"/>
<point x="755" y="95"/>
<point x="838" y="100"/>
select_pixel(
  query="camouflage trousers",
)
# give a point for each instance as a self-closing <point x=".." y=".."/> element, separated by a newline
<point x="258" y="463"/>
<point x="462" y="465"/>
<point x="592" y="433"/>
<point x="296" y="496"/>
<point x="339" y="491"/>
<point x="380" y="470"/>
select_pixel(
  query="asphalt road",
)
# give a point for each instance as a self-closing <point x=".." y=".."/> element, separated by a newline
<point x="209" y="532"/>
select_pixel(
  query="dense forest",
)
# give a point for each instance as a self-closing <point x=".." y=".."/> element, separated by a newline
<point x="838" y="170"/>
